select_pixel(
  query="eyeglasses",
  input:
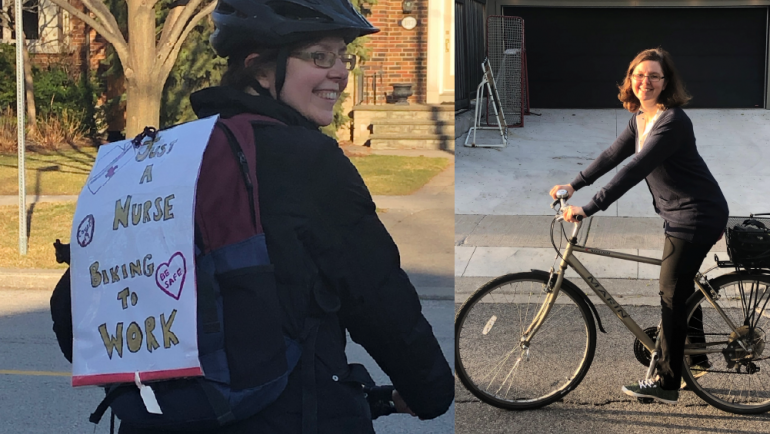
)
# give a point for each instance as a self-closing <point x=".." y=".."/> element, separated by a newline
<point x="327" y="59"/>
<point x="653" y="77"/>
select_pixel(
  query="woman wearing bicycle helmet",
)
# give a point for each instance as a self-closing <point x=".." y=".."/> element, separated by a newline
<point x="334" y="261"/>
<point x="660" y="139"/>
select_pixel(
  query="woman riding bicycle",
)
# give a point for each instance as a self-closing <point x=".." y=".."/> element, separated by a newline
<point x="336" y="268"/>
<point x="661" y="140"/>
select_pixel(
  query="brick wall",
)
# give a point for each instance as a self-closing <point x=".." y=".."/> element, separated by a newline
<point x="399" y="53"/>
<point x="75" y="56"/>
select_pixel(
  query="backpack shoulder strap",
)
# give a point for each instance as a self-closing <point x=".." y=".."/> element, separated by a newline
<point x="245" y="172"/>
<point x="240" y="136"/>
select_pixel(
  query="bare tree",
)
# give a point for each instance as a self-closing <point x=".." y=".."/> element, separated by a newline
<point x="147" y="58"/>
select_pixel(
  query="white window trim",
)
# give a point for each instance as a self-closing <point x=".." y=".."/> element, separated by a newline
<point x="53" y="28"/>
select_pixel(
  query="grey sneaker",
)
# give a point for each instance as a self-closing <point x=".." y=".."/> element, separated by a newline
<point x="698" y="371"/>
<point x="651" y="389"/>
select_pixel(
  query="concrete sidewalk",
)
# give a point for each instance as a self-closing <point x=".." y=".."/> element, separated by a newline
<point x="502" y="203"/>
<point x="422" y="225"/>
<point x="31" y="198"/>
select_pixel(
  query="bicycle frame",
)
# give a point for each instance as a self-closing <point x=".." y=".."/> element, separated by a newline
<point x="569" y="259"/>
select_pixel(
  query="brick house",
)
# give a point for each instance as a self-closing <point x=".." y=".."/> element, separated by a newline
<point x="398" y="54"/>
<point x="53" y="37"/>
<point x="415" y="46"/>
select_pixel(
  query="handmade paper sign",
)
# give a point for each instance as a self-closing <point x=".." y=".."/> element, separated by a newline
<point x="133" y="260"/>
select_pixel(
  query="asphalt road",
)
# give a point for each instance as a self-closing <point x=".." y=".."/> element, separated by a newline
<point x="598" y="406"/>
<point x="36" y="396"/>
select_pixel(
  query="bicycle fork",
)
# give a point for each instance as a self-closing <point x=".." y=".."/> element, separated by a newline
<point x="550" y="299"/>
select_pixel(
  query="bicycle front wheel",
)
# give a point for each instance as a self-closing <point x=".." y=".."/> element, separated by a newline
<point x="735" y="374"/>
<point x="490" y="360"/>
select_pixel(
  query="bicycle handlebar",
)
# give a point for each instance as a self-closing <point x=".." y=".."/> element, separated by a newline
<point x="561" y="199"/>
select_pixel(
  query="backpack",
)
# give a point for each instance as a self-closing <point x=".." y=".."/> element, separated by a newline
<point x="245" y="357"/>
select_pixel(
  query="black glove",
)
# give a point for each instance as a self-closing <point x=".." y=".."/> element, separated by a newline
<point x="380" y="400"/>
<point x="62" y="252"/>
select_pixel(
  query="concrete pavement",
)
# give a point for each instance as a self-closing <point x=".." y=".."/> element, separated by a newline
<point x="554" y="147"/>
<point x="502" y="205"/>
<point x="598" y="406"/>
<point x="35" y="385"/>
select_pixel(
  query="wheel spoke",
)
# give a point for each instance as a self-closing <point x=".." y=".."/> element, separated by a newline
<point x="737" y="381"/>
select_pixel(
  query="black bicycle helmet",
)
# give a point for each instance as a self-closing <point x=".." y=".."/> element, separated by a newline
<point x="276" y="23"/>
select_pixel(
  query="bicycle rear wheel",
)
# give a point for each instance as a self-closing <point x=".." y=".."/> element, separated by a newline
<point x="489" y="359"/>
<point x="736" y="380"/>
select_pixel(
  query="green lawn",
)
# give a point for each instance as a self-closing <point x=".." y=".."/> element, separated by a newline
<point x="63" y="172"/>
<point x="394" y="175"/>
<point x="48" y="222"/>
<point x="66" y="172"/>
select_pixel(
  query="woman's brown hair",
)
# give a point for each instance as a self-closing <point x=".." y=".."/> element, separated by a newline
<point x="240" y="76"/>
<point x="674" y="95"/>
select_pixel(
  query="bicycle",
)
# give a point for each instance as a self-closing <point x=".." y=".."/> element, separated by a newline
<point x="525" y="340"/>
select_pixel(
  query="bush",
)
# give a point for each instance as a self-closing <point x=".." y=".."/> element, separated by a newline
<point x="7" y="76"/>
<point x="59" y="92"/>
<point x="58" y="95"/>
<point x="7" y="131"/>
<point x="53" y="132"/>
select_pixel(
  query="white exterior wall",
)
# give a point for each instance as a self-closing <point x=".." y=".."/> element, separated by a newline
<point x="441" y="52"/>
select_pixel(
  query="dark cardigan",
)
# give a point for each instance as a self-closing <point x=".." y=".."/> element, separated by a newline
<point x="684" y="193"/>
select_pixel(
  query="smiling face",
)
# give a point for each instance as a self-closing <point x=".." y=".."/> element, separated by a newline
<point x="646" y="90"/>
<point x="310" y="89"/>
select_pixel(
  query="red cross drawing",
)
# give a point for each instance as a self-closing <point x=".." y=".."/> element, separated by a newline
<point x="111" y="171"/>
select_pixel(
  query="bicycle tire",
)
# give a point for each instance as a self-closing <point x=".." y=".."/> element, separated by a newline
<point x="488" y="328"/>
<point x="733" y="389"/>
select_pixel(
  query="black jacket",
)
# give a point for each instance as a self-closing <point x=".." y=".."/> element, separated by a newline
<point x="684" y="193"/>
<point x="324" y="238"/>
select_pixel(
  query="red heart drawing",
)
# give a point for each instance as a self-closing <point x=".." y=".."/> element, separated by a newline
<point x="170" y="275"/>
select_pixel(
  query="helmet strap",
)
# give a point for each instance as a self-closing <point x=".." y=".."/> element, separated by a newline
<point x="254" y="84"/>
<point x="280" y="76"/>
<point x="280" y="70"/>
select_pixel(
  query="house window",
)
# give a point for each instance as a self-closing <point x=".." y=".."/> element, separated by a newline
<point x="31" y="18"/>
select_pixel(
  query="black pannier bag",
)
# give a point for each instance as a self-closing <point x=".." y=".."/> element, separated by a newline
<point x="748" y="241"/>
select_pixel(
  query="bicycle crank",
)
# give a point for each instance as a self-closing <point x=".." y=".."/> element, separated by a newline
<point x="640" y="351"/>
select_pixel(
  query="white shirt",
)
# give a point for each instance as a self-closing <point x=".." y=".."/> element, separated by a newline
<point x="643" y="128"/>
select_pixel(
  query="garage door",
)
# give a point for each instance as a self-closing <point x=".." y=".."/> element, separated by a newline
<point x="577" y="56"/>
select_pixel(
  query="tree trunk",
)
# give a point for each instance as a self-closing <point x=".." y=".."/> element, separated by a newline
<point x="143" y="88"/>
<point x="30" y="90"/>
<point x="142" y="105"/>
<point x="145" y="70"/>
